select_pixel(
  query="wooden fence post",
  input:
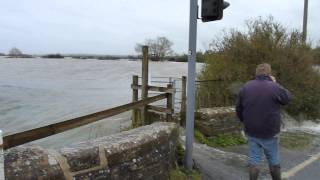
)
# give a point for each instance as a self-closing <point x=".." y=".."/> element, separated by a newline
<point x="135" y="83"/>
<point x="183" y="102"/>
<point x="169" y="104"/>
<point x="173" y="94"/>
<point x="1" y="157"/>
<point x="144" y="90"/>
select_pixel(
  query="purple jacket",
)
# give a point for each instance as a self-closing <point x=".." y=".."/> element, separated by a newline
<point x="258" y="106"/>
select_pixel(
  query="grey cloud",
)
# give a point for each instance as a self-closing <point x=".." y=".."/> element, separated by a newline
<point x="114" y="26"/>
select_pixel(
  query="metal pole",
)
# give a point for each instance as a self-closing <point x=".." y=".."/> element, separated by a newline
<point x="191" y="82"/>
<point x="305" y="20"/>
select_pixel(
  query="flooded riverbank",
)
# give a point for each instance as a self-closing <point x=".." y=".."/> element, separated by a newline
<point x="38" y="92"/>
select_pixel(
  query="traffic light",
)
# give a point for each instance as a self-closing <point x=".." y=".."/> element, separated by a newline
<point x="212" y="10"/>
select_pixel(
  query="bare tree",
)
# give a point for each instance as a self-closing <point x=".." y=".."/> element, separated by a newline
<point x="138" y="48"/>
<point x="15" y="52"/>
<point x="159" y="48"/>
<point x="164" y="46"/>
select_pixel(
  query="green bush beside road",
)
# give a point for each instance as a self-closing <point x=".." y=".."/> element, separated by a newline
<point x="222" y="140"/>
<point x="234" y="57"/>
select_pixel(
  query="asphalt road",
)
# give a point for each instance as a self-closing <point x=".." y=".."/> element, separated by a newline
<point x="231" y="163"/>
<point x="311" y="172"/>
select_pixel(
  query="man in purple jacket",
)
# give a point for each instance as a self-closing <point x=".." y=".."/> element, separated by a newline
<point x="258" y="107"/>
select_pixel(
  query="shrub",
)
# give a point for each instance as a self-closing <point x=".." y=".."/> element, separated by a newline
<point x="183" y="174"/>
<point x="180" y="153"/>
<point x="316" y="55"/>
<point x="225" y="140"/>
<point x="222" y="140"/>
<point x="200" y="137"/>
<point x="234" y="57"/>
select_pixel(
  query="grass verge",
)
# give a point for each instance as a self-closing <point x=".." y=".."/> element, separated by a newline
<point x="183" y="174"/>
<point x="296" y="140"/>
<point x="222" y="140"/>
<point x="180" y="173"/>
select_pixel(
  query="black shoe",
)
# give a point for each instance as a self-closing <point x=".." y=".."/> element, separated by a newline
<point x="253" y="172"/>
<point x="275" y="172"/>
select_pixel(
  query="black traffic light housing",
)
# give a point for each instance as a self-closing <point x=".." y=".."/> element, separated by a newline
<point x="212" y="10"/>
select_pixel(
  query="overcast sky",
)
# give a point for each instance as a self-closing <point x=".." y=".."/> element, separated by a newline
<point x="114" y="26"/>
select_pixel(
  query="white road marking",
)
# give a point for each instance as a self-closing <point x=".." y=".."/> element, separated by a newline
<point x="300" y="167"/>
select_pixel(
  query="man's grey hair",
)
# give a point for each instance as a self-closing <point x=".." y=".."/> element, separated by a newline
<point x="263" y="69"/>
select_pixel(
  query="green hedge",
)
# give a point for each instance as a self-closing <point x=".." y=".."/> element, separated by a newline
<point x="234" y="57"/>
<point x="222" y="140"/>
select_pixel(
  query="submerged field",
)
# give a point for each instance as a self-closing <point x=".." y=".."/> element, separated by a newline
<point x="38" y="92"/>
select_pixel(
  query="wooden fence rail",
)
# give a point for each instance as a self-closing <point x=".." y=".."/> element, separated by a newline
<point x="154" y="88"/>
<point x="45" y="131"/>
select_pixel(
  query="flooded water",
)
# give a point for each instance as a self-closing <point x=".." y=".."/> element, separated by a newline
<point x="38" y="92"/>
<point x="307" y="126"/>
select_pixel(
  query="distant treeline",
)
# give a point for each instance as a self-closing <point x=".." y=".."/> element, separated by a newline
<point x="174" y="58"/>
<point x="102" y="57"/>
<point x="184" y="57"/>
<point x="21" y="56"/>
<point x="55" y="56"/>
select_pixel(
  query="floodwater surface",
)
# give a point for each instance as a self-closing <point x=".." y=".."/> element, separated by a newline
<point x="38" y="92"/>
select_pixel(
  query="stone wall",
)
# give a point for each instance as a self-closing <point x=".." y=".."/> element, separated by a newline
<point x="219" y="120"/>
<point x="144" y="153"/>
